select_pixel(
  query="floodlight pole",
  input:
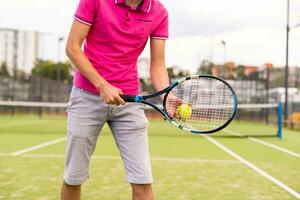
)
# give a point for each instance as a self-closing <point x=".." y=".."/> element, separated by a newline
<point x="58" y="69"/>
<point x="224" y="58"/>
<point x="58" y="73"/>
<point x="211" y="49"/>
<point x="224" y="50"/>
<point x="41" y="42"/>
<point x="287" y="63"/>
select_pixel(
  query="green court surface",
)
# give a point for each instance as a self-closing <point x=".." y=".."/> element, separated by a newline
<point x="185" y="166"/>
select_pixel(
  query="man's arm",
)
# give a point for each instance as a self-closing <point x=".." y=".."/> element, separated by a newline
<point x="158" y="71"/>
<point x="159" y="74"/>
<point x="78" y="33"/>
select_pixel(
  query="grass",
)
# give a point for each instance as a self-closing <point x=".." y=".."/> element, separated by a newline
<point x="207" y="173"/>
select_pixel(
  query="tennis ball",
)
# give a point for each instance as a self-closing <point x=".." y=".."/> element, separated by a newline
<point x="184" y="110"/>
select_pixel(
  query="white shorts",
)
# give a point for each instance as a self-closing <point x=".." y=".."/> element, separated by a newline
<point x="87" y="114"/>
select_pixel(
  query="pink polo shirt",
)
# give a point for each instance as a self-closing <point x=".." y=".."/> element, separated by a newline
<point x="117" y="37"/>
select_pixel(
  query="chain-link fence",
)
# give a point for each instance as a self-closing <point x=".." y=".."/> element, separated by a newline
<point x="34" y="89"/>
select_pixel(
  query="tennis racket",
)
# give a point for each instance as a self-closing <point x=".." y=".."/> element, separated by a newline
<point x="200" y="104"/>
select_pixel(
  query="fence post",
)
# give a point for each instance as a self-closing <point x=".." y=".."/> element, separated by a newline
<point x="279" y="113"/>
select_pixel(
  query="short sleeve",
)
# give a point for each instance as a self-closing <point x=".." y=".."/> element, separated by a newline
<point x="162" y="30"/>
<point x="86" y="12"/>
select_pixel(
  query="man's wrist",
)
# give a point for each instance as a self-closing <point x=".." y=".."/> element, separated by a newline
<point x="101" y="84"/>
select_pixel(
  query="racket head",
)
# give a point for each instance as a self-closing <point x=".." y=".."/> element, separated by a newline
<point x="210" y="104"/>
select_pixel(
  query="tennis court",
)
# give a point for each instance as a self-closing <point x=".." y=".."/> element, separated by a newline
<point x="230" y="164"/>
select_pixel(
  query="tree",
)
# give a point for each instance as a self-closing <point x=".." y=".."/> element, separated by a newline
<point x="48" y="69"/>
<point x="254" y="76"/>
<point x="240" y="72"/>
<point x="183" y="73"/>
<point x="205" y="67"/>
<point x="65" y="69"/>
<point x="3" y="69"/>
<point x="146" y="86"/>
<point x="22" y="76"/>
<point x="171" y="72"/>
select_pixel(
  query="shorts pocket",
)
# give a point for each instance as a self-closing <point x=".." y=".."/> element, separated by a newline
<point x="72" y="100"/>
<point x="141" y="119"/>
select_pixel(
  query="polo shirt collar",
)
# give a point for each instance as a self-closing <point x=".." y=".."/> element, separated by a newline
<point x="145" y="5"/>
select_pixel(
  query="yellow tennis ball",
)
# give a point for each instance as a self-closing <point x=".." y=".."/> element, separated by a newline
<point x="184" y="110"/>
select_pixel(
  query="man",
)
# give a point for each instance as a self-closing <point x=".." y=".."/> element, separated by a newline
<point x="114" y="33"/>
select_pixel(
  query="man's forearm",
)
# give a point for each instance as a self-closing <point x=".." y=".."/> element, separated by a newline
<point x="159" y="77"/>
<point x="85" y="67"/>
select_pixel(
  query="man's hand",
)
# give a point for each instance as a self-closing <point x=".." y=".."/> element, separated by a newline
<point x="111" y="95"/>
<point x="172" y="104"/>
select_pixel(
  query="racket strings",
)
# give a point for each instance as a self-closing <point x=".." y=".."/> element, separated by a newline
<point x="211" y="102"/>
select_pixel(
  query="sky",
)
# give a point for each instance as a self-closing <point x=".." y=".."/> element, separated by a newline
<point x="254" y="30"/>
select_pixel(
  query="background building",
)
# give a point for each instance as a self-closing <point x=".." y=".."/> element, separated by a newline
<point x="18" y="49"/>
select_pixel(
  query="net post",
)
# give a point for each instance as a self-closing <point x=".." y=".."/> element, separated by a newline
<point x="279" y="113"/>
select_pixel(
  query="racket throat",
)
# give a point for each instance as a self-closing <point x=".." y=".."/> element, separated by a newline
<point x="129" y="98"/>
<point x="138" y="99"/>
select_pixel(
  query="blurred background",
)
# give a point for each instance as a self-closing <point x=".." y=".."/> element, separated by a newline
<point x="244" y="42"/>
<point x="253" y="44"/>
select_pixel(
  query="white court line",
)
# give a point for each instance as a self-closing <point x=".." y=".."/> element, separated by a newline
<point x="254" y="167"/>
<point x="192" y="160"/>
<point x="167" y="159"/>
<point x="265" y="143"/>
<point x="39" y="146"/>
<point x="274" y="147"/>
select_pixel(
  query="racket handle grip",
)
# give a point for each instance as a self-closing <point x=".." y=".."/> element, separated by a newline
<point x="128" y="98"/>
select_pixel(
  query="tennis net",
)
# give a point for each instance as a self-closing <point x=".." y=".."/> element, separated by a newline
<point x="249" y="117"/>
<point x="256" y="114"/>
